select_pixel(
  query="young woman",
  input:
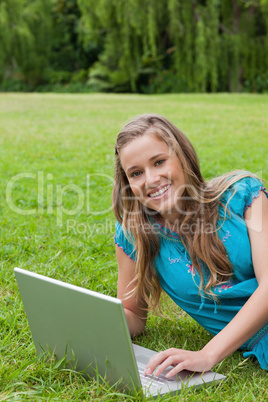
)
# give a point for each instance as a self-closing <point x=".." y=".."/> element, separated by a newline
<point x="204" y="243"/>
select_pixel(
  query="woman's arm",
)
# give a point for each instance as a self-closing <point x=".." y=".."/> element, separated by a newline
<point x="247" y="322"/>
<point x="135" y="314"/>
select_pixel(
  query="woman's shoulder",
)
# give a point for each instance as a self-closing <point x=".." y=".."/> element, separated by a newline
<point x="124" y="240"/>
<point x="241" y="192"/>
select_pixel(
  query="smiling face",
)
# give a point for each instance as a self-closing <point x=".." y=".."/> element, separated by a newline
<point x="155" y="174"/>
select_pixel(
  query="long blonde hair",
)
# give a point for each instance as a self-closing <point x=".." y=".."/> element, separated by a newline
<point x="202" y="205"/>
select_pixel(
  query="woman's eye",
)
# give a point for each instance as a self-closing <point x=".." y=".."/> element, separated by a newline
<point x="135" y="174"/>
<point x="159" y="162"/>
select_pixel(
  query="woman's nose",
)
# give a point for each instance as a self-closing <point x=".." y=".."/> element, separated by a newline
<point x="152" y="179"/>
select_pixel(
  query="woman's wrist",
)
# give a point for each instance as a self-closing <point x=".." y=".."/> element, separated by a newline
<point x="211" y="356"/>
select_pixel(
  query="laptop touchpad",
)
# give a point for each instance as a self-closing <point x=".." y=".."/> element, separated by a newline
<point x="142" y="359"/>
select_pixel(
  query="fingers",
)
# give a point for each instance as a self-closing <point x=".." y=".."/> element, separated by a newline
<point x="163" y="360"/>
<point x="180" y="359"/>
<point x="176" y="370"/>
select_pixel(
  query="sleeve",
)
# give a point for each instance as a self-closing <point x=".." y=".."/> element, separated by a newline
<point x="125" y="242"/>
<point x="242" y="194"/>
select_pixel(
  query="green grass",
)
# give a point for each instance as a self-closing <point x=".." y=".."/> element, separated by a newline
<point x="65" y="143"/>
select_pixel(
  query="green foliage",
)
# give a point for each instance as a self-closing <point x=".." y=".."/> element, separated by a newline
<point x="40" y="44"/>
<point x="164" y="82"/>
<point x="101" y="79"/>
<point x="212" y="45"/>
<point x="125" y="45"/>
<point x="59" y="77"/>
<point x="25" y="38"/>
<point x="67" y="51"/>
<point x="201" y="61"/>
<point x="259" y="84"/>
<point x="131" y="31"/>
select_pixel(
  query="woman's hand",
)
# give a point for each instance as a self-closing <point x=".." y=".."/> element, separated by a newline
<point x="181" y="360"/>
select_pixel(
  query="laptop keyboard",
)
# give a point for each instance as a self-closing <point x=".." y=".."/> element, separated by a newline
<point x="156" y="380"/>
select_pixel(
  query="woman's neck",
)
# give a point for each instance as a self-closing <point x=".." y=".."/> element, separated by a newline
<point x="172" y="223"/>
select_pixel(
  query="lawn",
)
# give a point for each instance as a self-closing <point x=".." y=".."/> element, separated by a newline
<point x="56" y="167"/>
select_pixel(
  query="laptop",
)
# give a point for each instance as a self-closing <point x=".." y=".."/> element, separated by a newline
<point x="90" y="330"/>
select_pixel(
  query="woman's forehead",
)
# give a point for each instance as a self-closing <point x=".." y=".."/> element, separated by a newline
<point x="142" y="149"/>
<point x="144" y="143"/>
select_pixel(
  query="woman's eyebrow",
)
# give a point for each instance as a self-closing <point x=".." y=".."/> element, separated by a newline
<point x="162" y="154"/>
<point x="128" y="170"/>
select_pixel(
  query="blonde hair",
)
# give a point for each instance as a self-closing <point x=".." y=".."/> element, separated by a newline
<point x="203" y="201"/>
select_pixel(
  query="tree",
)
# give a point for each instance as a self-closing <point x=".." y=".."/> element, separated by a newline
<point x="137" y="45"/>
<point x="211" y="45"/>
<point x="68" y="53"/>
<point x="25" y="38"/>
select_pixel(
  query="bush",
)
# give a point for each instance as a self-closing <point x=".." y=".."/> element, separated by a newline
<point x="79" y="76"/>
<point x="259" y="84"/>
<point x="163" y="82"/>
<point x="101" y="79"/>
<point x="13" y="85"/>
<point x="72" y="87"/>
<point x="59" y="77"/>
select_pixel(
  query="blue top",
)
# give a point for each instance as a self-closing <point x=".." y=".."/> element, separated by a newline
<point x="180" y="280"/>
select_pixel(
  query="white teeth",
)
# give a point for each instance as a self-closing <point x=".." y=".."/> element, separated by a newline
<point x="160" y="192"/>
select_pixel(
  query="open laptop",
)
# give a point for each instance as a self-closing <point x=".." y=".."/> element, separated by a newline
<point x="92" y="329"/>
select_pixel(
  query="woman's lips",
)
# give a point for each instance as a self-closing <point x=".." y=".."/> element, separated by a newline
<point x="159" y="193"/>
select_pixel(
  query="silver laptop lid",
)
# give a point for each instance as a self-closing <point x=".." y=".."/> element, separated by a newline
<point x="90" y="325"/>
